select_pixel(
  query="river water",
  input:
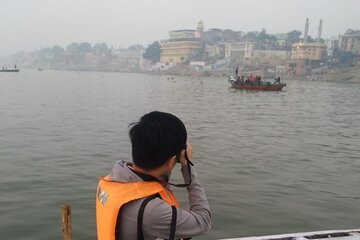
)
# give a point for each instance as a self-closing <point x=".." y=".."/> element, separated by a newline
<point x="271" y="162"/>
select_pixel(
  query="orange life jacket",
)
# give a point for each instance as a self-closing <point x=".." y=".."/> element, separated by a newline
<point x="112" y="195"/>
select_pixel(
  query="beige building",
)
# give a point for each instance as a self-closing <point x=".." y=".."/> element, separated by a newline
<point x="181" y="46"/>
<point x="308" y="51"/>
<point x="178" y="51"/>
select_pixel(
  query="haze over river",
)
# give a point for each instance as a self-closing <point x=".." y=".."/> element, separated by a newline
<point x="271" y="162"/>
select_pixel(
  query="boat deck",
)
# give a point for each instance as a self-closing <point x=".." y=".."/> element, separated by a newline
<point x="353" y="234"/>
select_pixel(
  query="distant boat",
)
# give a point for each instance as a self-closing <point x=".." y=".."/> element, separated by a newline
<point x="9" y="70"/>
<point x="40" y="69"/>
<point x="270" y="87"/>
<point x="254" y="83"/>
<point x="5" y="69"/>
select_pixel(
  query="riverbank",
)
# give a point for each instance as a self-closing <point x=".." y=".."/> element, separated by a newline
<point x="350" y="75"/>
<point x="356" y="75"/>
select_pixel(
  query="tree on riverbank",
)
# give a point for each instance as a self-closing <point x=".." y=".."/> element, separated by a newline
<point x="152" y="52"/>
<point x="293" y="36"/>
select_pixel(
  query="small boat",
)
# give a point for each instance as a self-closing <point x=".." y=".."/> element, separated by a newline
<point x="271" y="87"/>
<point x="252" y="84"/>
<point x="352" y="234"/>
<point x="9" y="70"/>
<point x="5" y="69"/>
<point x="40" y="69"/>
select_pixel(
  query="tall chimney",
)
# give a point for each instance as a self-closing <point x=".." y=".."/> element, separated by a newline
<point x="306" y="30"/>
<point x="319" y="31"/>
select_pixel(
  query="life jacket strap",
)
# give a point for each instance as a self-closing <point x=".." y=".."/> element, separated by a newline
<point x="140" y="234"/>
<point x="173" y="223"/>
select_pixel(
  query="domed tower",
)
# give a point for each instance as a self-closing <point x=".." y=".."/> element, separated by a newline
<point x="200" y="26"/>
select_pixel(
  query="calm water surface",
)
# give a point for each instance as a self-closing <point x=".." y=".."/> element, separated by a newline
<point x="271" y="162"/>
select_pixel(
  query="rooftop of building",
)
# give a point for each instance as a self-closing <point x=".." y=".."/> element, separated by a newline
<point x="181" y="40"/>
<point x="309" y="44"/>
<point x="352" y="33"/>
<point x="184" y="30"/>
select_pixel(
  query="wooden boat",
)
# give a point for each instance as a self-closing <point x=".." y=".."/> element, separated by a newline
<point x="9" y="70"/>
<point x="255" y="84"/>
<point x="352" y="234"/>
<point x="261" y="87"/>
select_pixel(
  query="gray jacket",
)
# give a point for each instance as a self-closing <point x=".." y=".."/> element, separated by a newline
<point x="157" y="213"/>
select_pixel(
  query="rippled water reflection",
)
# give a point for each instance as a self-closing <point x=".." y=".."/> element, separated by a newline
<point x="271" y="162"/>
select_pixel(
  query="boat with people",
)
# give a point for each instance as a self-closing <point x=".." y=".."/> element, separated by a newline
<point x="255" y="83"/>
<point x="5" y="69"/>
<point x="9" y="70"/>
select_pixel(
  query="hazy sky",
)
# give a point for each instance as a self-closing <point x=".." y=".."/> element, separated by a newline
<point x="33" y="24"/>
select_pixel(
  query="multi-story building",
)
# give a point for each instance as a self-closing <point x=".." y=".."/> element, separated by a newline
<point x="214" y="51"/>
<point x="129" y="58"/>
<point x="312" y="52"/>
<point x="181" y="46"/>
<point x="178" y="51"/>
<point x="350" y="42"/>
<point x="239" y="51"/>
<point x="332" y="45"/>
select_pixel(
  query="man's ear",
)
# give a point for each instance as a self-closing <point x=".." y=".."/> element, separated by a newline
<point x="172" y="161"/>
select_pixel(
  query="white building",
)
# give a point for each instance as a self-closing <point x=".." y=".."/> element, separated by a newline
<point x="239" y="51"/>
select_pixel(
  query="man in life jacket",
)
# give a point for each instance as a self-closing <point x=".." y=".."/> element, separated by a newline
<point x="135" y="200"/>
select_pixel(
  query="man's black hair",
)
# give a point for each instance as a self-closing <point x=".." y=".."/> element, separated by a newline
<point x="155" y="138"/>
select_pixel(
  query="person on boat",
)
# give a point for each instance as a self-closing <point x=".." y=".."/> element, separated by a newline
<point x="257" y="80"/>
<point x="248" y="81"/>
<point x="135" y="200"/>
<point x="277" y="80"/>
<point x="236" y="72"/>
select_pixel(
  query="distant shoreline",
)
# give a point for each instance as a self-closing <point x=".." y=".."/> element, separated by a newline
<point x="353" y="75"/>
